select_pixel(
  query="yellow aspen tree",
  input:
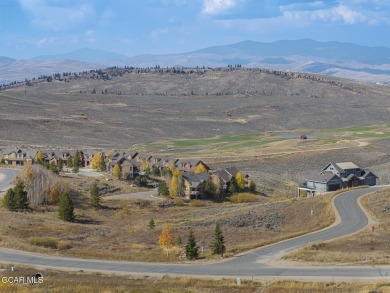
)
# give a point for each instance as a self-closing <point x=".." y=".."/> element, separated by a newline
<point x="38" y="157"/>
<point x="117" y="172"/>
<point x="173" y="187"/>
<point x="200" y="168"/>
<point x="166" y="239"/>
<point x="240" y="181"/>
<point x="95" y="161"/>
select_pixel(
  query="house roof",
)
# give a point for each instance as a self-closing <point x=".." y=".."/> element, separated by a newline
<point x="369" y="173"/>
<point x="195" y="179"/>
<point x="226" y="174"/>
<point x="347" y="165"/>
<point x="323" y="177"/>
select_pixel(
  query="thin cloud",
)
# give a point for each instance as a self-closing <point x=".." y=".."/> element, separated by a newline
<point x="57" y="15"/>
<point x="214" y="7"/>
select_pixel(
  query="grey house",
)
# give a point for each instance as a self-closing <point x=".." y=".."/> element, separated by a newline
<point x="335" y="176"/>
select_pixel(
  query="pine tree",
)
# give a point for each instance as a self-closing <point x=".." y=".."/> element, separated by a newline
<point x="70" y="162"/>
<point x="191" y="248"/>
<point x="60" y="165"/>
<point x="162" y="188"/>
<point x="218" y="244"/>
<point x="233" y="187"/>
<point x="151" y="224"/>
<point x="9" y="200"/>
<point x="76" y="162"/>
<point x="95" y="196"/>
<point x="209" y="188"/>
<point x="53" y="167"/>
<point x="21" y="199"/>
<point x="252" y="186"/>
<point x="101" y="165"/>
<point x="66" y="209"/>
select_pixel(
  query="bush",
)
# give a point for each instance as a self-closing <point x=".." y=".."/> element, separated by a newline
<point x="179" y="201"/>
<point x="46" y="242"/>
<point x="141" y="181"/>
<point x="63" y="245"/>
<point x="197" y="203"/>
<point x="243" y="198"/>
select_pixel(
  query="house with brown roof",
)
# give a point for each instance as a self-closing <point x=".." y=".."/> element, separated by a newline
<point x="190" y="165"/>
<point x="18" y="157"/>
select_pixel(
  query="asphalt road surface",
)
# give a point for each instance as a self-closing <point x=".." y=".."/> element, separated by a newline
<point x="6" y="178"/>
<point x="251" y="264"/>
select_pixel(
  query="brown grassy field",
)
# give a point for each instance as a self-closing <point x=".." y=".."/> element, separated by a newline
<point x="154" y="107"/>
<point x="96" y="233"/>
<point x="84" y="282"/>
<point x="365" y="247"/>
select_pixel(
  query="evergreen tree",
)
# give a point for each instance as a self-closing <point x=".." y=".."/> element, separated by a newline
<point x="60" y="165"/>
<point x="233" y="187"/>
<point x="16" y="198"/>
<point x="76" y="162"/>
<point x="65" y="208"/>
<point x="95" y="196"/>
<point x="252" y="186"/>
<point x="162" y="188"/>
<point x="9" y="200"/>
<point x="151" y="224"/>
<point x="191" y="248"/>
<point x="209" y="188"/>
<point x="101" y="165"/>
<point x="21" y="199"/>
<point x="70" y="162"/>
<point x="53" y="167"/>
<point x="218" y="244"/>
<point x="178" y="241"/>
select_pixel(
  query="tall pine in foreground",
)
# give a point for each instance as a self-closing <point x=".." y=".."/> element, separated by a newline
<point x="65" y="208"/>
<point x="21" y="198"/>
<point x="191" y="248"/>
<point x="94" y="198"/>
<point x="218" y="244"/>
<point x="16" y="198"/>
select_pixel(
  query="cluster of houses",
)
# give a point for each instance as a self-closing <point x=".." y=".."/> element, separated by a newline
<point x="132" y="165"/>
<point x="335" y="176"/>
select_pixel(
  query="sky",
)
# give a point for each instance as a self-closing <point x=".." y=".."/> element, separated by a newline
<point x="30" y="28"/>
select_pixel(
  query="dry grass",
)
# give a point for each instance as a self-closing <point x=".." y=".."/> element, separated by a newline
<point x="97" y="234"/>
<point x="306" y="287"/>
<point x="365" y="247"/>
<point x="80" y="282"/>
<point x="84" y="282"/>
<point x="244" y="198"/>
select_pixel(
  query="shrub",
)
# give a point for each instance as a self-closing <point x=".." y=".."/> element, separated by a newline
<point x="46" y="242"/>
<point x="179" y="201"/>
<point x="63" y="245"/>
<point x="197" y="203"/>
<point x="244" y="197"/>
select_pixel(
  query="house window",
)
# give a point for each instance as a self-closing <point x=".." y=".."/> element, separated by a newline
<point x="331" y="168"/>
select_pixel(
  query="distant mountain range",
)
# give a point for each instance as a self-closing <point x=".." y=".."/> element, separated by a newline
<point x="337" y="59"/>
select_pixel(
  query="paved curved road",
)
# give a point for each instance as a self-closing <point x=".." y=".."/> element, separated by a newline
<point x="6" y="178"/>
<point x="251" y="264"/>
